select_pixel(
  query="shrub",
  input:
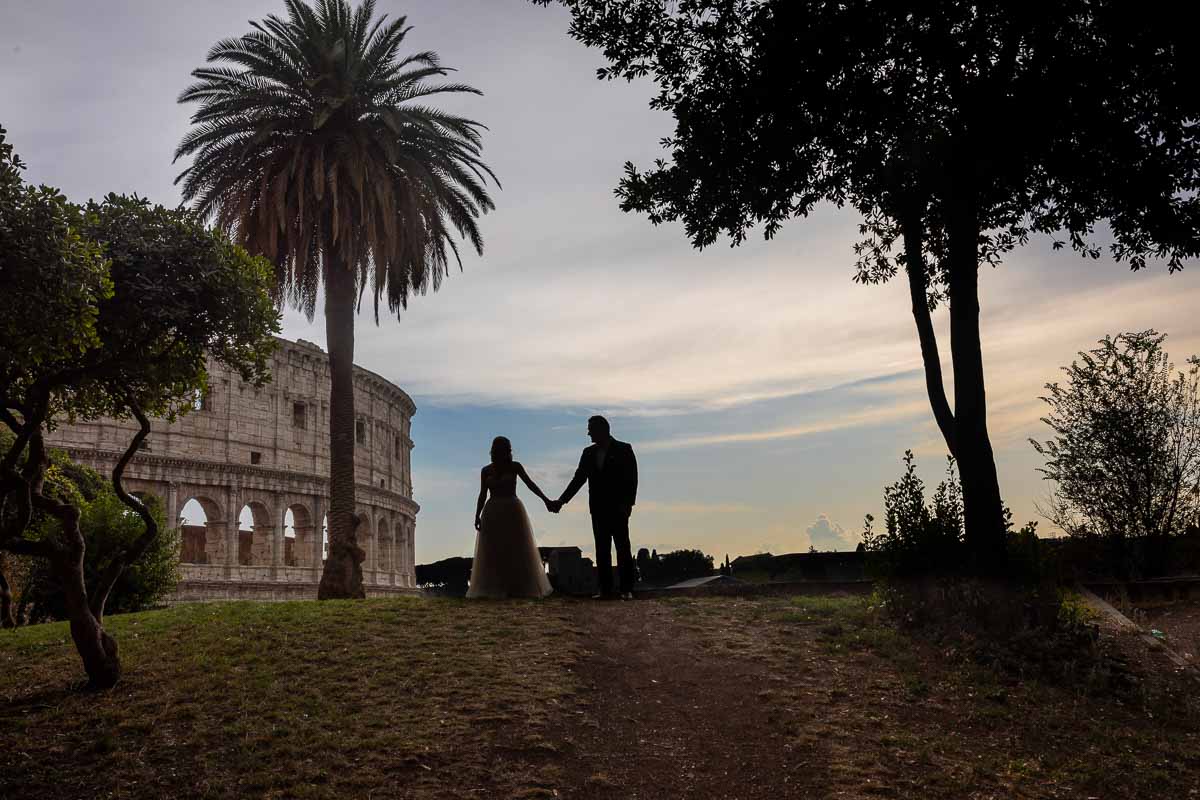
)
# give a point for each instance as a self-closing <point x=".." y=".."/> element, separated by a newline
<point x="109" y="527"/>
<point x="918" y="539"/>
<point x="1124" y="458"/>
<point x="1017" y="622"/>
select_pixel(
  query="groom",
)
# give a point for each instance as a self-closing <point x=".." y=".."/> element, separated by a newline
<point x="610" y="471"/>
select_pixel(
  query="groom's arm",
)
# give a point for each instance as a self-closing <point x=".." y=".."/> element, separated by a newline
<point x="576" y="483"/>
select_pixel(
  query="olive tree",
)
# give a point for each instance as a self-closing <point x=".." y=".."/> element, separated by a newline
<point x="107" y="310"/>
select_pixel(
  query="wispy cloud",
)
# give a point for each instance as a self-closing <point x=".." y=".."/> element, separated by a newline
<point x="577" y="307"/>
<point x="874" y="416"/>
<point x="655" y="507"/>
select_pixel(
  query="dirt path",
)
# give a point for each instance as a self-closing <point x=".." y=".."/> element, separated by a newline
<point x="668" y="718"/>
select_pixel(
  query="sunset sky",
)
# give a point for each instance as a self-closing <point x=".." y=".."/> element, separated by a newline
<point x="768" y="397"/>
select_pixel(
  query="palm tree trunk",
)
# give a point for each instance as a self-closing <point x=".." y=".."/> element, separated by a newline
<point x="342" y="576"/>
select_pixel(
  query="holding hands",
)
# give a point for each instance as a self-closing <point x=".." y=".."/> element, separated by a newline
<point x="553" y="506"/>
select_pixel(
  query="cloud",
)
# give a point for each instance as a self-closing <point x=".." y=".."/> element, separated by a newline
<point x="825" y="534"/>
<point x="873" y="416"/>
<point x="651" y="506"/>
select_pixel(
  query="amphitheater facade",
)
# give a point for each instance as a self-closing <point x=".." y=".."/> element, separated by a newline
<point x="267" y="449"/>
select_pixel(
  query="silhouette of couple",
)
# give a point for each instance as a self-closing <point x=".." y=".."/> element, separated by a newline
<point x="506" y="561"/>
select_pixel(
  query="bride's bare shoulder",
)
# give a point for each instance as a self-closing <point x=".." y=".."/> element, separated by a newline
<point x="486" y="471"/>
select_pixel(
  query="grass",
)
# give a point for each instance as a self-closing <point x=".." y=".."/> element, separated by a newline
<point x="405" y="697"/>
<point x="436" y="698"/>
<point x="919" y="717"/>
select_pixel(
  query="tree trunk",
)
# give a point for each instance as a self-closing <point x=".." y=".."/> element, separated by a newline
<point x="342" y="576"/>
<point x="8" y="618"/>
<point x="983" y="510"/>
<point x="918" y="288"/>
<point x="96" y="648"/>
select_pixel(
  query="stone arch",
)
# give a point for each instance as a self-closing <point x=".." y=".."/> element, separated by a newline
<point x="140" y="488"/>
<point x="299" y="536"/>
<point x="203" y="543"/>
<point x="255" y="544"/>
<point x="387" y="547"/>
<point x="404" y="550"/>
<point x="365" y="534"/>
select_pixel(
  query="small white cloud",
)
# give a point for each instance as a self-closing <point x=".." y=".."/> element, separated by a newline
<point x="825" y="534"/>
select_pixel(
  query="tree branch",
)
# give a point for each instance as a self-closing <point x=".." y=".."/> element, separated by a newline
<point x="121" y="561"/>
<point x="918" y="287"/>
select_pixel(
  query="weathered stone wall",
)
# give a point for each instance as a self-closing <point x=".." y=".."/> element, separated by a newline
<point x="267" y="448"/>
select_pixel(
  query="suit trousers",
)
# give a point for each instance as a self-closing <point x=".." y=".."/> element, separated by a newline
<point x="609" y="527"/>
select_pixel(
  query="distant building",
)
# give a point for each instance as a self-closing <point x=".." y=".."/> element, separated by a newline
<point x="568" y="570"/>
<point x="760" y="561"/>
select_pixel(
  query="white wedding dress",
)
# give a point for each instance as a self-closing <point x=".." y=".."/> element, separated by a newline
<point x="507" y="563"/>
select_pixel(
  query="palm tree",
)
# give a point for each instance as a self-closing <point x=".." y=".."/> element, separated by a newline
<point x="313" y="146"/>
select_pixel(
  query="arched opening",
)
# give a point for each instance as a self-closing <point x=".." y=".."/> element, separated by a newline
<point x="298" y="536"/>
<point x="402" y="552"/>
<point x="201" y="532"/>
<point x="365" y="534"/>
<point x="324" y="538"/>
<point x="254" y="535"/>
<point x="386" y="549"/>
<point x="409" y="554"/>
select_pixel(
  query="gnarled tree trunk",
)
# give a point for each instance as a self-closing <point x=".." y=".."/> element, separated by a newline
<point x="96" y="648"/>
<point x="342" y="576"/>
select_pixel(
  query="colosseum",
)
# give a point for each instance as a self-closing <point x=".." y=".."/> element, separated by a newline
<point x="262" y="454"/>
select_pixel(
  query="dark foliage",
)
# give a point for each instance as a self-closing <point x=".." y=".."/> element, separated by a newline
<point x="957" y="130"/>
<point x="109" y="528"/>
<point x="448" y="576"/>
<point x="917" y="539"/>
<point x="145" y="295"/>
<point x="673" y="567"/>
<point x="1124" y="458"/>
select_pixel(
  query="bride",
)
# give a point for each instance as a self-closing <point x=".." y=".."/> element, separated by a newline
<point x="506" y="562"/>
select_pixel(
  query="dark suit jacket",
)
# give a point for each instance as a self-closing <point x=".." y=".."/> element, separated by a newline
<point x="611" y="487"/>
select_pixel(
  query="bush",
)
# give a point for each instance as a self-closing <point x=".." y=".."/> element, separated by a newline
<point x="1018" y="622"/>
<point x="921" y="540"/>
<point x="1124" y="458"/>
<point x="108" y="527"/>
<point x="918" y="539"/>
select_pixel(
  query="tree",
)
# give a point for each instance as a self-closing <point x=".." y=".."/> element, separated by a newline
<point x="1124" y="459"/>
<point x="145" y="294"/>
<point x="678" y="565"/>
<point x="957" y="130"/>
<point x="108" y="527"/>
<point x="314" y="148"/>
